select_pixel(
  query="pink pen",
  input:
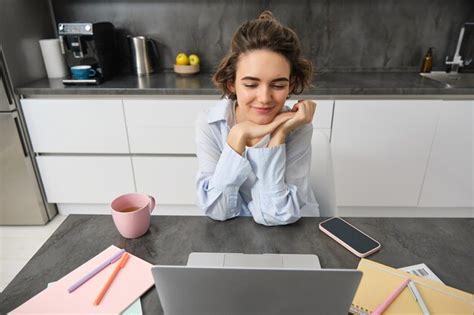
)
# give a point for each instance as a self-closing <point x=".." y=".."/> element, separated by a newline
<point x="382" y="307"/>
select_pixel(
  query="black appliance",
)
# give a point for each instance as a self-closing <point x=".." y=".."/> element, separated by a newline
<point x="90" y="44"/>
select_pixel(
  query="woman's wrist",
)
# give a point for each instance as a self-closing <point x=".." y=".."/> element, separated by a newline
<point x="237" y="140"/>
<point x="278" y="137"/>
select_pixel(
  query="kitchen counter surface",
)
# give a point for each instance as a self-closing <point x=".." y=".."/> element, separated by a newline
<point x="325" y="84"/>
<point x="445" y="245"/>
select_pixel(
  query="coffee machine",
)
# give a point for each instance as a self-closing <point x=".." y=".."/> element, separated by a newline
<point x="91" y="44"/>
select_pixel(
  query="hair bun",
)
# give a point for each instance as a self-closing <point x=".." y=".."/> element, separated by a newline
<point x="266" y="15"/>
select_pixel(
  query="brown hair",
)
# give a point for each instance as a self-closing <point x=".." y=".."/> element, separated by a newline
<point x="265" y="32"/>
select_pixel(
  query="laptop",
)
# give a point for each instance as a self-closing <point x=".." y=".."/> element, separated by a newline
<point x="228" y="284"/>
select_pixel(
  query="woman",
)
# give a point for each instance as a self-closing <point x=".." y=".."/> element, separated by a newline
<point x="254" y="154"/>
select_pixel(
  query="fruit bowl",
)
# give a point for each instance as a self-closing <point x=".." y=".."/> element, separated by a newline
<point x="186" y="69"/>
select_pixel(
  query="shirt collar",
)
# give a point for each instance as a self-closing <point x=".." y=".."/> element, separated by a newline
<point x="220" y="111"/>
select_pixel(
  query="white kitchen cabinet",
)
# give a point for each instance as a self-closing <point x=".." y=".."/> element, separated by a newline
<point x="450" y="173"/>
<point x="380" y="150"/>
<point x="76" y="126"/>
<point x="171" y="180"/>
<point x="163" y="126"/>
<point x="323" y="115"/>
<point x="85" y="179"/>
<point x="168" y="126"/>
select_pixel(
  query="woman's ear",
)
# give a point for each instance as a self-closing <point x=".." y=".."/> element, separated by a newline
<point x="231" y="87"/>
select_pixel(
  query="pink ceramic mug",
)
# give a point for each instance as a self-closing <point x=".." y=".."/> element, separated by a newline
<point x="131" y="214"/>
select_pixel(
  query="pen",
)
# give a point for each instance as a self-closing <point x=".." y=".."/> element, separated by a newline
<point x="382" y="307"/>
<point x="96" y="270"/>
<point x="418" y="298"/>
<point x="106" y="287"/>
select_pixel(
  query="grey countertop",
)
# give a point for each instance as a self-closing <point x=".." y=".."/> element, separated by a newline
<point x="327" y="84"/>
<point x="445" y="245"/>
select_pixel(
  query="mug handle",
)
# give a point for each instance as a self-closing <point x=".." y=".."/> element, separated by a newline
<point x="152" y="206"/>
<point x="92" y="72"/>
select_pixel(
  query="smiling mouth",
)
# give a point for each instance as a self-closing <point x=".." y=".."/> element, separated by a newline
<point x="262" y="110"/>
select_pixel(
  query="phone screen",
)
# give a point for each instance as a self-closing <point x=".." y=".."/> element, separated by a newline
<point x="350" y="235"/>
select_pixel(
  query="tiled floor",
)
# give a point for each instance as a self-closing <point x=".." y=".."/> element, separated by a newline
<point x="19" y="243"/>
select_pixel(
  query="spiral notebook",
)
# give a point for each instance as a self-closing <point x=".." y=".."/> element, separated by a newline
<point x="378" y="281"/>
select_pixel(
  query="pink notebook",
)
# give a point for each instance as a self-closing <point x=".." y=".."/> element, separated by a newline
<point x="131" y="282"/>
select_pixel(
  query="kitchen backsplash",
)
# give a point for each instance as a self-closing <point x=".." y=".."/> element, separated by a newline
<point x="356" y="35"/>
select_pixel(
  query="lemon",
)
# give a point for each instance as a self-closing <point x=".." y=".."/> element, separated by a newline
<point x="193" y="59"/>
<point x="182" y="59"/>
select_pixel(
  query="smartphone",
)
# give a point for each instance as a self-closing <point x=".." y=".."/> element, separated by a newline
<point x="353" y="239"/>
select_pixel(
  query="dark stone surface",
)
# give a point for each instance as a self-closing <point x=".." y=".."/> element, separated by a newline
<point x="445" y="245"/>
<point x="327" y="84"/>
<point x="337" y="35"/>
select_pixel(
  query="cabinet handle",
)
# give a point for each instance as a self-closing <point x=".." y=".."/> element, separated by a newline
<point x="23" y="145"/>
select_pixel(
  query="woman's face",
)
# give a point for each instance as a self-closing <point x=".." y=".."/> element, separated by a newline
<point x="261" y="85"/>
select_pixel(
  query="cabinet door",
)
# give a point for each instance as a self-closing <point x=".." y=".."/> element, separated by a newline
<point x="380" y="150"/>
<point x="450" y="173"/>
<point x="171" y="180"/>
<point x="76" y="126"/>
<point x="163" y="126"/>
<point x="85" y="179"/>
<point x="323" y="115"/>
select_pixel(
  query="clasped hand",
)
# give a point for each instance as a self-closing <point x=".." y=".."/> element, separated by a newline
<point x="247" y="132"/>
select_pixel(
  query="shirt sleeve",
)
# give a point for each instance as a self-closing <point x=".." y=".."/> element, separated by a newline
<point x="221" y="173"/>
<point x="282" y="187"/>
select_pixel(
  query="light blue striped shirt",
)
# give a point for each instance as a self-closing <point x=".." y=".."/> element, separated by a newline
<point x="270" y="184"/>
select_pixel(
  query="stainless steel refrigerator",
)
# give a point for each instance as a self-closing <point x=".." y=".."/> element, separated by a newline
<point x="22" y="24"/>
<point x="21" y="198"/>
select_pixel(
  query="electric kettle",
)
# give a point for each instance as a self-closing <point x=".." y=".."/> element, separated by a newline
<point x="142" y="49"/>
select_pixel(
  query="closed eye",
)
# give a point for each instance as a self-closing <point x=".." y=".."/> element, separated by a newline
<point x="275" y="86"/>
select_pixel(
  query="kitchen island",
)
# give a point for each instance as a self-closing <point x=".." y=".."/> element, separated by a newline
<point x="421" y="126"/>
